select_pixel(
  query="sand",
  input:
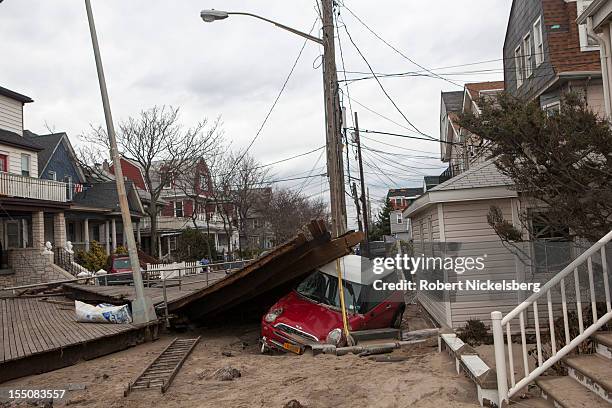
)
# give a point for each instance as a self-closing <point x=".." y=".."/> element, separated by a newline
<point x="427" y="379"/>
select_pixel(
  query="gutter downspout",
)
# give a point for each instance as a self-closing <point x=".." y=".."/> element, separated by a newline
<point x="606" y="65"/>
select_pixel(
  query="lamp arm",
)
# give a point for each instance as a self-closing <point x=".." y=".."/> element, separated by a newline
<point x="279" y="25"/>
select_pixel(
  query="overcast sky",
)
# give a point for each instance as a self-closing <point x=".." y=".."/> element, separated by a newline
<point x="159" y="52"/>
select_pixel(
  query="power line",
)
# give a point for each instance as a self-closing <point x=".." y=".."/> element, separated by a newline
<point x="393" y="145"/>
<point x="395" y="49"/>
<point x="430" y="139"/>
<point x="280" y="93"/>
<point x="290" y="158"/>
<point x="380" y="83"/>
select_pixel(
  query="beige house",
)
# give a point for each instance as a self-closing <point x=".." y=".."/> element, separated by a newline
<point x="451" y="220"/>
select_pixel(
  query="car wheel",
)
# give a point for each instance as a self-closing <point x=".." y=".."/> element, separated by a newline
<point x="396" y="323"/>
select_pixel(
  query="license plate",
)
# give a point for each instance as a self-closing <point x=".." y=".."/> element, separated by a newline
<point x="293" y="348"/>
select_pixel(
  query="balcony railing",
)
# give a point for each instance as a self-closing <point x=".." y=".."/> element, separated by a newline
<point x="13" y="185"/>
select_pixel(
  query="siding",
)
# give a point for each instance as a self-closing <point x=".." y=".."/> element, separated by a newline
<point x="62" y="164"/>
<point x="11" y="115"/>
<point x="14" y="158"/>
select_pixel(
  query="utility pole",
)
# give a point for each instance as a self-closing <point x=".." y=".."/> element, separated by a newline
<point x="366" y="227"/>
<point x="142" y="308"/>
<point x="333" y="118"/>
<point x="357" y="205"/>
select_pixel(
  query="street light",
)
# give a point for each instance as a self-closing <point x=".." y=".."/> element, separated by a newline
<point x="335" y="169"/>
<point x="212" y="15"/>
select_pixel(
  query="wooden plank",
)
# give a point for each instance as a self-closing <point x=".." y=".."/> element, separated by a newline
<point x="28" y="345"/>
<point x="54" y="334"/>
<point x="15" y="327"/>
<point x="4" y="329"/>
<point x="230" y="279"/>
<point x="39" y="340"/>
<point x="298" y="263"/>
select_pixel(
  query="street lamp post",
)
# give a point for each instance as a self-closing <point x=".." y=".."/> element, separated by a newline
<point x="333" y="116"/>
<point x="142" y="308"/>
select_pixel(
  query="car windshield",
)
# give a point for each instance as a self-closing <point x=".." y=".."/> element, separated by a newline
<point x="323" y="288"/>
<point x="121" y="263"/>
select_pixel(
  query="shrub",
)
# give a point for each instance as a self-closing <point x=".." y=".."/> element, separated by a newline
<point x="474" y="333"/>
<point x="94" y="259"/>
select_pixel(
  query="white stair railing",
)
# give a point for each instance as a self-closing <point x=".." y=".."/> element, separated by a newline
<point x="501" y="324"/>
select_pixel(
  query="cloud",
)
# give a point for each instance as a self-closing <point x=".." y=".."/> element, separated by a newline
<point x="160" y="52"/>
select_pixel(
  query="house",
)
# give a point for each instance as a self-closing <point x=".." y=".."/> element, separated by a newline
<point x="94" y="213"/>
<point x="460" y="148"/>
<point x="187" y="201"/>
<point x="597" y="18"/>
<point x="547" y="53"/>
<point x="400" y="199"/>
<point x="31" y="209"/>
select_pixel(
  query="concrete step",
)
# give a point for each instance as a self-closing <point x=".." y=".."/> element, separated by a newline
<point x="593" y="372"/>
<point x="603" y="341"/>
<point x="532" y="402"/>
<point x="565" y="392"/>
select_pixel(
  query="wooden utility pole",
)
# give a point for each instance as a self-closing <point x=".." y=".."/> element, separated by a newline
<point x="366" y="226"/>
<point x="142" y="307"/>
<point x="333" y="118"/>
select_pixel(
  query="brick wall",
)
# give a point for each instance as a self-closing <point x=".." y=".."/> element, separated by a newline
<point x="564" y="42"/>
<point x="31" y="265"/>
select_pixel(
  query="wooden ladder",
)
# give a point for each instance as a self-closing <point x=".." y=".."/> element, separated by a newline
<point x="161" y="371"/>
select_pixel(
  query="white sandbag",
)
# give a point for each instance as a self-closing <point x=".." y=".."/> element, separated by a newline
<point x="84" y="274"/>
<point x="103" y="313"/>
<point x="101" y="272"/>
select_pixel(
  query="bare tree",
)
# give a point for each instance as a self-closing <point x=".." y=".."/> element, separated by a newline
<point x="248" y="192"/>
<point x="156" y="140"/>
<point x="288" y="210"/>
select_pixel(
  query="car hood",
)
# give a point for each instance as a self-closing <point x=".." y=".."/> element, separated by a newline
<point x="307" y="316"/>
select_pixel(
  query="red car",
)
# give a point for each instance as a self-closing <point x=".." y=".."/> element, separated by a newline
<point x="311" y="312"/>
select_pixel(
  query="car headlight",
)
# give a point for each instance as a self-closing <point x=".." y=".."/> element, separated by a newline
<point x="335" y="337"/>
<point x="273" y="314"/>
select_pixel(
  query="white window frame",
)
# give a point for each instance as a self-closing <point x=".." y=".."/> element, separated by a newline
<point x="518" y="68"/>
<point x="582" y="5"/>
<point x="527" y="55"/>
<point x="182" y="207"/>
<point x="53" y="175"/>
<point x="538" y="46"/>
<point x="550" y="108"/>
<point x="28" y="165"/>
<point x="400" y="218"/>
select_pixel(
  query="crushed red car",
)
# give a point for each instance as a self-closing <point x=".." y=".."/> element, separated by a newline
<point x="311" y="312"/>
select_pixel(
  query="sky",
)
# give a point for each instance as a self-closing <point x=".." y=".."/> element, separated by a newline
<point x="161" y="53"/>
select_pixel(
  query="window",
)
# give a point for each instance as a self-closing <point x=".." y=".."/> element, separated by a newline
<point x="53" y="175"/>
<point x="586" y="43"/>
<point x="167" y="179"/>
<point x="4" y="163"/>
<point x="538" y="42"/>
<point x="551" y="246"/>
<point x="25" y="165"/>
<point x="178" y="209"/>
<point x="518" y="66"/>
<point x="400" y="219"/>
<point x="172" y="243"/>
<point x="552" y="109"/>
<point x="528" y="54"/>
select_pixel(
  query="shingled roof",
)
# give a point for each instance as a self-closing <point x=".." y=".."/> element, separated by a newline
<point x="484" y="174"/>
<point x="14" y="139"/>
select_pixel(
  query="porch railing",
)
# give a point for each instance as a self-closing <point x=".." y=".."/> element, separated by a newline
<point x="14" y="185"/>
<point x="503" y="323"/>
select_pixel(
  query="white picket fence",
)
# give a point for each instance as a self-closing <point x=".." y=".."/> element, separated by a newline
<point x="173" y="270"/>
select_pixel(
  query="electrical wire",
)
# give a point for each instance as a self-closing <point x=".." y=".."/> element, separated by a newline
<point x="381" y="85"/>
<point x="278" y="96"/>
<point x="394" y="48"/>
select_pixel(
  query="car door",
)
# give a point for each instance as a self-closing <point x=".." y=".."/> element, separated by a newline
<point x="381" y="306"/>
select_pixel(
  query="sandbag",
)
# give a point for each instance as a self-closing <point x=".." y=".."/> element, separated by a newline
<point x="102" y="313"/>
